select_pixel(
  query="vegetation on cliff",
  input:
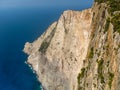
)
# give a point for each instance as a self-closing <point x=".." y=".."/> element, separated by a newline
<point x="114" y="5"/>
<point x="102" y="59"/>
<point x="116" y="22"/>
<point x="44" y="47"/>
<point x="114" y="11"/>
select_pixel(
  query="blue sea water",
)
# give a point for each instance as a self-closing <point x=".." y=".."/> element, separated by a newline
<point x="17" y="26"/>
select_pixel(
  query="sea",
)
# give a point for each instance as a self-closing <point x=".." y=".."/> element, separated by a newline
<point x="18" y="26"/>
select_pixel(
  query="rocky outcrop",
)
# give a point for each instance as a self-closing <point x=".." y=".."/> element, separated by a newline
<point x="101" y="68"/>
<point x="57" y="55"/>
<point x="81" y="51"/>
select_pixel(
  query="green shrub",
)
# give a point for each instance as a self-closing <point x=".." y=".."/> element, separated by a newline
<point x="91" y="54"/>
<point x="107" y="25"/>
<point x="114" y="5"/>
<point x="94" y="84"/>
<point x="116" y="22"/>
<point x="81" y="75"/>
<point x="66" y="31"/>
<point x="47" y="41"/>
<point x="100" y="65"/>
<point x="43" y="47"/>
<point x="100" y="75"/>
<point x="111" y="76"/>
<point x="100" y="1"/>
<point x="100" y="69"/>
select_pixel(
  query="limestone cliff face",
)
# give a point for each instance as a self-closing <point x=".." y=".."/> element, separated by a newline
<point x="101" y="68"/>
<point x="57" y="55"/>
<point x="81" y="51"/>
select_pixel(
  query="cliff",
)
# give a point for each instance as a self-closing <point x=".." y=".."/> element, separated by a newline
<point x="80" y="51"/>
<point x="101" y="68"/>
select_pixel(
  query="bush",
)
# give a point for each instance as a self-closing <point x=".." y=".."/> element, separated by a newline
<point x="111" y="76"/>
<point x="43" y="47"/>
<point x="107" y="25"/>
<point x="116" y="22"/>
<point x="91" y="54"/>
<point x="81" y="75"/>
<point x="100" y="67"/>
<point x="100" y="1"/>
<point x="114" y="5"/>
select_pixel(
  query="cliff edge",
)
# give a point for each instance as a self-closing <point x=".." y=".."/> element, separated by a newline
<point x="80" y="51"/>
<point x="57" y="55"/>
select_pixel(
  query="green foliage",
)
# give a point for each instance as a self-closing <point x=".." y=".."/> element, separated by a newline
<point x="81" y="75"/>
<point x="94" y="84"/>
<point x="82" y="72"/>
<point x="111" y="76"/>
<point x="100" y="69"/>
<point x="100" y="1"/>
<point x="100" y="75"/>
<point x="100" y="64"/>
<point x="43" y="47"/>
<point x="80" y="88"/>
<point x="119" y="46"/>
<point x="66" y="31"/>
<point x="47" y="41"/>
<point x="91" y="54"/>
<point x="114" y="5"/>
<point x="107" y="25"/>
<point x="116" y="22"/>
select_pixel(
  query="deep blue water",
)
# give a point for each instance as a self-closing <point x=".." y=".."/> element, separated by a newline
<point x="18" y="26"/>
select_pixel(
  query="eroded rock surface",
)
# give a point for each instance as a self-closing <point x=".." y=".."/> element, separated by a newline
<point x="57" y="55"/>
<point x="81" y="51"/>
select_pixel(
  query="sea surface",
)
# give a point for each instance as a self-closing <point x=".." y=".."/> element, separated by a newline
<point x="17" y="26"/>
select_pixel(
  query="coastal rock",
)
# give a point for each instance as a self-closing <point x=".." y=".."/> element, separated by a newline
<point x="101" y="68"/>
<point x="81" y="51"/>
<point x="57" y="55"/>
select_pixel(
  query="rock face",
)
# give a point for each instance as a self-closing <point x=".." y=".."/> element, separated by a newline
<point x="81" y="51"/>
<point x="101" y="69"/>
<point x="57" y="55"/>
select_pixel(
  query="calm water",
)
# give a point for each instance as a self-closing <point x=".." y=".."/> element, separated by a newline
<point x="18" y="26"/>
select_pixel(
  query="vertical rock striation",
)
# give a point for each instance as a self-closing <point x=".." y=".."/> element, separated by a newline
<point x="81" y="51"/>
<point x="57" y="55"/>
<point x="101" y="68"/>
